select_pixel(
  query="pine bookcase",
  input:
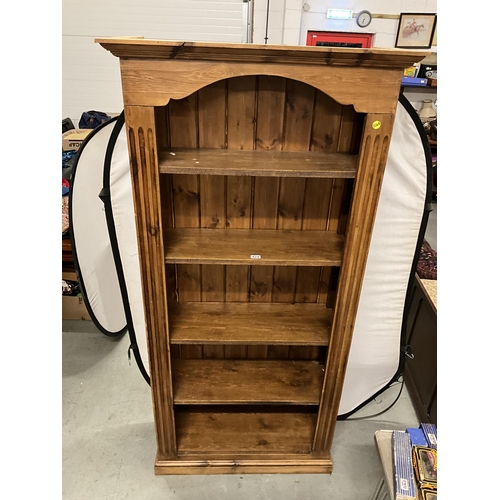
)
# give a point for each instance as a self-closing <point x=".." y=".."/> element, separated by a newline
<point x="256" y="172"/>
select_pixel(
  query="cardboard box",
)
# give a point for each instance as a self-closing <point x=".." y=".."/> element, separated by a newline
<point x="73" y="307"/>
<point x="73" y="139"/>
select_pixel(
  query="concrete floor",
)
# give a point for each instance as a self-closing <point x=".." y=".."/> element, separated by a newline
<point x="109" y="439"/>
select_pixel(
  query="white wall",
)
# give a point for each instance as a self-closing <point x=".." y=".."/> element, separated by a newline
<point x="91" y="75"/>
<point x="289" y="22"/>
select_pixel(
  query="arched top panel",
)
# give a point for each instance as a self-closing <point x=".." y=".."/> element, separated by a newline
<point x="155" y="71"/>
<point x="259" y="113"/>
<point x="156" y="82"/>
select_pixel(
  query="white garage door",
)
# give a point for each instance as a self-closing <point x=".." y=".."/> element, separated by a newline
<point x="91" y="75"/>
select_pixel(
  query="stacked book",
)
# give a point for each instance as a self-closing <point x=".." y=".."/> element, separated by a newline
<point x="414" y="454"/>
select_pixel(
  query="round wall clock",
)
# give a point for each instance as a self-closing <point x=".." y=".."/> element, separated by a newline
<point x="364" y="18"/>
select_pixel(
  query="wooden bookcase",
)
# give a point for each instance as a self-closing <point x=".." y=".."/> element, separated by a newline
<point x="256" y="173"/>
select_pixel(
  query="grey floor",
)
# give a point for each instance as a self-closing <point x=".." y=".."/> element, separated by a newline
<point x="109" y="440"/>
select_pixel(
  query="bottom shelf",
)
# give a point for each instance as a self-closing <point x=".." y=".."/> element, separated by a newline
<point x="230" y="442"/>
<point x="235" y="433"/>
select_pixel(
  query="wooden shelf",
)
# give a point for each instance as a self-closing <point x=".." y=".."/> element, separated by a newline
<point x="211" y="207"/>
<point x="249" y="324"/>
<point x="213" y="382"/>
<point x="258" y="163"/>
<point x="236" y="246"/>
<point x="243" y="433"/>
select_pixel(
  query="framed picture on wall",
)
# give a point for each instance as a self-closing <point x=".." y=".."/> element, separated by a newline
<point x="415" y="30"/>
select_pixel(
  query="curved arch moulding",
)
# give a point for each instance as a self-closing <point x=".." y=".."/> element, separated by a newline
<point x="153" y="83"/>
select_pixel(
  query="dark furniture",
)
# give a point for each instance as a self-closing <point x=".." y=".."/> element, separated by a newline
<point x="420" y="371"/>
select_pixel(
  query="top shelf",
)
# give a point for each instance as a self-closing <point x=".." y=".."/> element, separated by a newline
<point x="143" y="48"/>
<point x="258" y="163"/>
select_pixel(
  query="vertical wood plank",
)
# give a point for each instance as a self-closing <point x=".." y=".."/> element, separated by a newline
<point x="183" y="132"/>
<point x="241" y="120"/>
<point x="212" y="201"/>
<point x="269" y="136"/>
<point x="270" y="112"/>
<point x="212" y="135"/>
<point x="298" y="116"/>
<point x="239" y="193"/>
<point x="265" y="203"/>
<point x="323" y="284"/>
<point x="212" y="287"/>
<point x="167" y="200"/>
<point x="241" y="117"/>
<point x="324" y="137"/>
<point x="236" y="351"/>
<point x="326" y="124"/>
<point x="336" y="204"/>
<point x="347" y="127"/>
<point x="372" y="161"/>
<point x="162" y="134"/>
<point x="348" y="140"/>
<point x="212" y="108"/>
<point x="291" y="202"/>
<point x="189" y="290"/>
<point x="237" y="284"/>
<point x="345" y="205"/>
<point x="314" y="218"/>
<point x="141" y="138"/>
<point x="183" y="127"/>
<point x="241" y="112"/>
<point x="299" y="113"/>
<point x="239" y="199"/>
<point x="167" y="215"/>
<point x="171" y="277"/>
<point x="299" y="352"/>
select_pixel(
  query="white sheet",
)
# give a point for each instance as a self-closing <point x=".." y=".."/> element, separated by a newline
<point x="375" y="349"/>
<point x="90" y="235"/>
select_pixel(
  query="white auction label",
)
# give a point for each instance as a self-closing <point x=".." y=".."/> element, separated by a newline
<point x="255" y="256"/>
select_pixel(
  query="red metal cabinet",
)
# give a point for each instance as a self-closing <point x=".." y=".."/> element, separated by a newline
<point x="339" y="39"/>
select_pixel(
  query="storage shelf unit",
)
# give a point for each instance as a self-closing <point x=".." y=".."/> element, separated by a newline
<point x="256" y="172"/>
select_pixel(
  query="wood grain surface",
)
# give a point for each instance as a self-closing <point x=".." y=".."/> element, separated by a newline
<point x="248" y="323"/>
<point x="258" y="163"/>
<point x="211" y="382"/>
<point x="264" y="211"/>
<point x="237" y="246"/>
<point x="202" y="432"/>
